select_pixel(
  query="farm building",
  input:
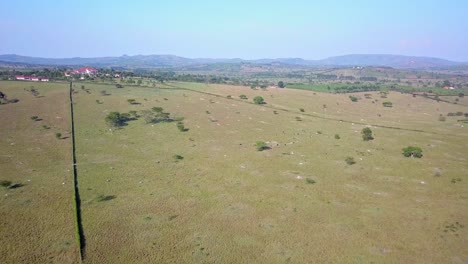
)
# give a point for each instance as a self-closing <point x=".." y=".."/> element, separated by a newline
<point x="31" y="78"/>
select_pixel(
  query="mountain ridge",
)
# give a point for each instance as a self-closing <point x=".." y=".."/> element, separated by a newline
<point x="168" y="61"/>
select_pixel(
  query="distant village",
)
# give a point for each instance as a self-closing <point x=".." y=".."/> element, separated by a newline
<point x="82" y="72"/>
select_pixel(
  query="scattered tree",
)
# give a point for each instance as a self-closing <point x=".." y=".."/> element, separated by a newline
<point x="259" y="100"/>
<point x="116" y="119"/>
<point x="411" y="151"/>
<point x="367" y="134"/>
<point x="281" y="84"/>
<point x="58" y="135"/>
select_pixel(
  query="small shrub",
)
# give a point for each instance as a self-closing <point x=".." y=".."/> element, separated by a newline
<point x="34" y="118"/>
<point x="119" y="86"/>
<point x="157" y="109"/>
<point x="132" y="101"/>
<point x="302" y="110"/>
<point x="178" y="157"/>
<point x="46" y="127"/>
<point x="58" y="135"/>
<point x="310" y="181"/>
<point x="298" y="118"/>
<point x="411" y="151"/>
<point x="275" y="112"/>
<point x="337" y="136"/>
<point x="243" y="96"/>
<point x="181" y="127"/>
<point x="319" y="132"/>
<point x="5" y="183"/>
<point x="208" y="112"/>
<point x="229" y="97"/>
<point x="353" y="98"/>
<point x="455" y="180"/>
<point x="133" y="114"/>
<point x="442" y="118"/>
<point x="387" y="104"/>
<point x="350" y="160"/>
<point x="260" y="145"/>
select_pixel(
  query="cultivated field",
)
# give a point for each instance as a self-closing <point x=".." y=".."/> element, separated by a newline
<point x="226" y="202"/>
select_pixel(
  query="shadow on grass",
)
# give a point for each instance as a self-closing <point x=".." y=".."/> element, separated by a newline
<point x="103" y="198"/>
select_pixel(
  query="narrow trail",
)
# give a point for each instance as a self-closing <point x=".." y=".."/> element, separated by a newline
<point x="79" y="226"/>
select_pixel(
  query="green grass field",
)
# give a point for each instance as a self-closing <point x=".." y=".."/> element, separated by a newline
<point x="37" y="219"/>
<point x="330" y="87"/>
<point x="226" y="202"/>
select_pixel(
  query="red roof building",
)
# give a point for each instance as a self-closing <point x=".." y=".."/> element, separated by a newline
<point x="85" y="70"/>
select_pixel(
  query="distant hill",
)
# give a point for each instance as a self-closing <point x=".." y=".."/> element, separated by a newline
<point x="158" y="61"/>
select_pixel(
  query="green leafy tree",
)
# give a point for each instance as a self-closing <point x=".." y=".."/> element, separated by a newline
<point x="411" y="151"/>
<point x="116" y="119"/>
<point x="281" y="84"/>
<point x="259" y="100"/>
<point x="367" y="134"/>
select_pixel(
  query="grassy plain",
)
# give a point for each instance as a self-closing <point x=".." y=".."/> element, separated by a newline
<point x="37" y="218"/>
<point x="226" y="202"/>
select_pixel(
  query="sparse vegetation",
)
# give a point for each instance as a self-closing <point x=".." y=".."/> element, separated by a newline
<point x="387" y="104"/>
<point x="350" y="160"/>
<point x="261" y="145"/>
<point x="243" y="96"/>
<point x="310" y="181"/>
<point x="413" y="152"/>
<point x="5" y="183"/>
<point x="178" y="157"/>
<point x="353" y="98"/>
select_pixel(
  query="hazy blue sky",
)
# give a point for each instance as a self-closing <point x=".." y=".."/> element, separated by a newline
<point x="246" y="29"/>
